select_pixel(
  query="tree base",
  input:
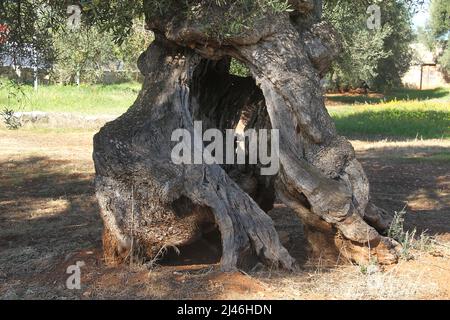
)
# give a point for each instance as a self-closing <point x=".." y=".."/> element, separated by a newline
<point x="327" y="246"/>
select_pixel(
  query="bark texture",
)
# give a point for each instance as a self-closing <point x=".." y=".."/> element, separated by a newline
<point x="149" y="203"/>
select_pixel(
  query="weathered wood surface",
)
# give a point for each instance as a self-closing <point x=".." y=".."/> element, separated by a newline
<point x="148" y="202"/>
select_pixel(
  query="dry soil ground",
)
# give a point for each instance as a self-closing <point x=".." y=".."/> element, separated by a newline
<point x="49" y="220"/>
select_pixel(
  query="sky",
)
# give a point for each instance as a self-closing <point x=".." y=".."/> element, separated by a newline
<point x="420" y="18"/>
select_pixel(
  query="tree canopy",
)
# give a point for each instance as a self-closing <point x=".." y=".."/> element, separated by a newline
<point x="435" y="34"/>
<point x="378" y="57"/>
<point x="440" y="17"/>
<point x="440" y="27"/>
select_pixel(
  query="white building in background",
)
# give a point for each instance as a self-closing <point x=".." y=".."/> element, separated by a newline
<point x="23" y="67"/>
<point x="424" y="73"/>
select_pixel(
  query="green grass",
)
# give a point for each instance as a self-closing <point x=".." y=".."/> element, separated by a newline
<point x="401" y="94"/>
<point x="394" y="120"/>
<point x="402" y="114"/>
<point x="86" y="99"/>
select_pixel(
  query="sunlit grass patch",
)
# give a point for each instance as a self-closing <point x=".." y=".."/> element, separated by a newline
<point x="86" y="99"/>
<point x="400" y="94"/>
<point x="395" y="119"/>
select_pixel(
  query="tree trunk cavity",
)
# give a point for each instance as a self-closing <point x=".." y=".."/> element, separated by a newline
<point x="148" y="203"/>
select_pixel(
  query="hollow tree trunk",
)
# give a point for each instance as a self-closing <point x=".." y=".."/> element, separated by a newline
<point x="148" y="202"/>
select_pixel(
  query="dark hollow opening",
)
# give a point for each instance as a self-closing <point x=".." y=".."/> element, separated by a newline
<point x="222" y="100"/>
<point x="206" y="250"/>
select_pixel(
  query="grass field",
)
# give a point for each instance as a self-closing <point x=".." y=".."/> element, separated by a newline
<point x="400" y="94"/>
<point x="398" y="115"/>
<point x="86" y="99"/>
<point x="401" y="114"/>
<point x="393" y="120"/>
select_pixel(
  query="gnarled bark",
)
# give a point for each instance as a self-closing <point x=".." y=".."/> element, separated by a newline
<point x="148" y="202"/>
<point x="317" y="164"/>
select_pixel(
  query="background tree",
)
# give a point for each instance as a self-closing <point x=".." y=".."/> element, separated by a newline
<point x="397" y="16"/>
<point x="30" y="25"/>
<point x="81" y="55"/>
<point x="378" y="57"/>
<point x="132" y="47"/>
<point x="362" y="48"/>
<point x="440" y="27"/>
<point x="440" y="17"/>
<point x="40" y="27"/>
<point x="436" y="32"/>
<point x="84" y="54"/>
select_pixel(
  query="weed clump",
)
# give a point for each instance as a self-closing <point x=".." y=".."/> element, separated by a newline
<point x="409" y="239"/>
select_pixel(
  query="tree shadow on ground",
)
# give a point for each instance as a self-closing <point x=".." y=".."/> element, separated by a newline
<point x="414" y="178"/>
<point x="46" y="214"/>
<point x="49" y="219"/>
<point x="393" y="124"/>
